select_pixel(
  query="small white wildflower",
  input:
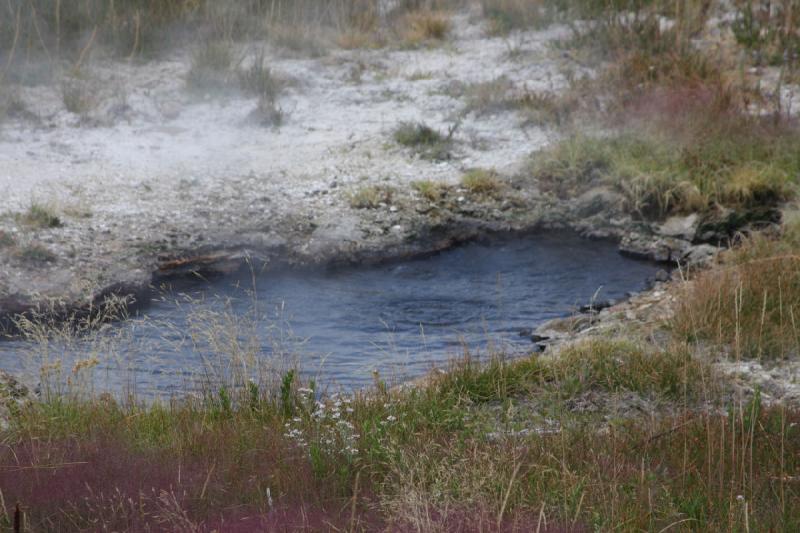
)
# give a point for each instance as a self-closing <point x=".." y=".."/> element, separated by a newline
<point x="349" y="409"/>
<point x="740" y="498"/>
<point x="391" y="418"/>
<point x="296" y="419"/>
<point x="335" y="414"/>
<point x="304" y="390"/>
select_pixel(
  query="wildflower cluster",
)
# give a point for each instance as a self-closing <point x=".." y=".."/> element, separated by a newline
<point x="328" y="427"/>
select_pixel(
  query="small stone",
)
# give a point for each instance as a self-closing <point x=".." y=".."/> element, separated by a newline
<point x="662" y="276"/>
<point x="680" y="227"/>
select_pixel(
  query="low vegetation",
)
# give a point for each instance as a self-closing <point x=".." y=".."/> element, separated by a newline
<point x="507" y="15"/>
<point x="504" y="444"/>
<point x="212" y="67"/>
<point x="371" y="196"/>
<point x="686" y="161"/>
<point x="537" y="108"/>
<point x="430" y="190"/>
<point x="35" y="253"/>
<point x="612" y="434"/>
<point x="424" y="26"/>
<point x="41" y="215"/>
<point x="426" y="141"/>
<point x="748" y="305"/>
<point x="482" y="182"/>
<point x="79" y="94"/>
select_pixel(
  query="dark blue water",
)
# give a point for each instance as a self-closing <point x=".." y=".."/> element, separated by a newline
<point x="341" y="325"/>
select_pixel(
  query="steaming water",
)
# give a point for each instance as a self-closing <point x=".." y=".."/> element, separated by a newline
<point x="342" y="324"/>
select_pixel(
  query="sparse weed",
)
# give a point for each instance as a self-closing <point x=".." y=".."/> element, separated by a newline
<point x="536" y="107"/>
<point x="212" y="67"/>
<point x="430" y="190"/>
<point x="371" y="197"/>
<point x="507" y="15"/>
<point x="428" y="142"/>
<point x="267" y="113"/>
<point x="35" y="253"/>
<point x="424" y="26"/>
<point x="750" y="303"/>
<point x="482" y="182"/>
<point x="304" y="40"/>
<point x="41" y="216"/>
<point x="79" y="95"/>
<point x="258" y="79"/>
<point x="769" y="30"/>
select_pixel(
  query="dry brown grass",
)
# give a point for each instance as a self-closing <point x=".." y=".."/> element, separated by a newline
<point x="751" y="303"/>
<point x="424" y="26"/>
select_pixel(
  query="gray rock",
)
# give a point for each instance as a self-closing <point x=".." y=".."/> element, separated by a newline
<point x="680" y="227"/>
<point x="662" y="276"/>
<point x="664" y="249"/>
<point x="598" y="200"/>
<point x="701" y="255"/>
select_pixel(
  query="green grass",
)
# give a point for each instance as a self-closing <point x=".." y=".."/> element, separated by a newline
<point x="741" y="163"/>
<point x="423" y="458"/>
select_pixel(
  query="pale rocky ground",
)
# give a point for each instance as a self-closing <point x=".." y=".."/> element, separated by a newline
<point x="154" y="168"/>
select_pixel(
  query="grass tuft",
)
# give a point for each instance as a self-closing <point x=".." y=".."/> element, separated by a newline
<point x="426" y="141"/>
<point x="41" y="216"/>
<point x="482" y="182"/>
<point x="751" y="304"/>
<point x="371" y="197"/>
<point x="430" y="190"/>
